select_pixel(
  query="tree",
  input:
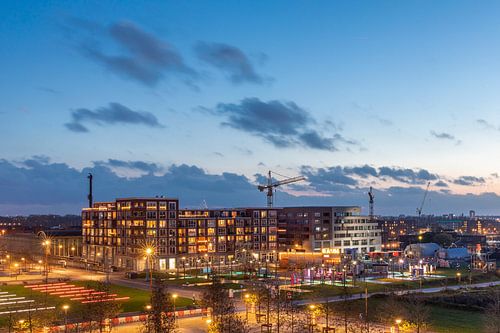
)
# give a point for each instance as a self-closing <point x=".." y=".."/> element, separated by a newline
<point x="443" y="239"/>
<point x="159" y="320"/>
<point x="223" y="311"/>
<point x="418" y="313"/>
<point x="391" y="309"/>
<point x="492" y="313"/>
<point x="99" y="309"/>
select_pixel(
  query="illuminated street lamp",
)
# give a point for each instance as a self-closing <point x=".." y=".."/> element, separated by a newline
<point x="148" y="307"/>
<point x="174" y="297"/>
<point x="247" y="298"/>
<point x="46" y="246"/>
<point x="65" y="308"/>
<point x="149" y="251"/>
<point x="459" y="276"/>
<point x="398" y="322"/>
<point x="312" y="307"/>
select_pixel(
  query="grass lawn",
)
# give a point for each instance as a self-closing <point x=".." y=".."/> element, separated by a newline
<point x="138" y="298"/>
<point x="446" y="320"/>
<point x="442" y="319"/>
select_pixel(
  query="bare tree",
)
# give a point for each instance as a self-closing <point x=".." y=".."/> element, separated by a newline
<point x="99" y="309"/>
<point x="418" y="312"/>
<point x="160" y="318"/>
<point x="390" y="309"/>
<point x="224" y="316"/>
<point x="492" y="313"/>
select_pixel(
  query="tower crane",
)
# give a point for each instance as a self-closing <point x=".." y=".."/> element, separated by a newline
<point x="270" y="186"/>
<point x="371" y="197"/>
<point x="419" y="210"/>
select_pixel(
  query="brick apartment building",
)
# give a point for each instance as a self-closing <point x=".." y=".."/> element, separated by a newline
<point x="117" y="233"/>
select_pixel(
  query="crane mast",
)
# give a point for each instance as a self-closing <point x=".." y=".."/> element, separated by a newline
<point x="371" y="197"/>
<point x="419" y="210"/>
<point x="270" y="186"/>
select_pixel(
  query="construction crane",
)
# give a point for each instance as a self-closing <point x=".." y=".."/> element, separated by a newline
<point x="270" y="186"/>
<point x="371" y="197"/>
<point x="419" y="210"/>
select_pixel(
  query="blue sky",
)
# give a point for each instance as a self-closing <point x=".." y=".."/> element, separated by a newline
<point x="350" y="94"/>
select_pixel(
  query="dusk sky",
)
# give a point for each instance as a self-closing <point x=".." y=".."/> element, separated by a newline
<point x="197" y="100"/>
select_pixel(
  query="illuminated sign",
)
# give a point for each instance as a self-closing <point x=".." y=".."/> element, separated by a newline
<point x="330" y="251"/>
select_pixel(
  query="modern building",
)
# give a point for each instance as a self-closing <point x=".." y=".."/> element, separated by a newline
<point x="326" y="228"/>
<point x="64" y="244"/>
<point x="119" y="233"/>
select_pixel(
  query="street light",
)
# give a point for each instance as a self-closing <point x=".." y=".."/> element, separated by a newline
<point x="247" y="297"/>
<point x="149" y="252"/>
<point x="174" y="297"/>
<point x="46" y="244"/>
<point x="398" y="322"/>
<point x="459" y="276"/>
<point x="65" y="308"/>
<point x="312" y="307"/>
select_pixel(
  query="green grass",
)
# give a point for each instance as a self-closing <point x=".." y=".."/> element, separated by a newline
<point x="138" y="298"/>
<point x="326" y="290"/>
<point x="442" y="319"/>
<point x="137" y="302"/>
<point x="446" y="320"/>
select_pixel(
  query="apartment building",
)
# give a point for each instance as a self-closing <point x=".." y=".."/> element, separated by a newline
<point x="322" y="228"/>
<point x="118" y="234"/>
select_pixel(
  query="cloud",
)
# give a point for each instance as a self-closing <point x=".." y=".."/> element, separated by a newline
<point x="408" y="176"/>
<point x="283" y="124"/>
<point x="113" y="114"/>
<point x="440" y="183"/>
<point x="445" y="136"/>
<point x="230" y="60"/>
<point x="37" y="185"/>
<point x="469" y="181"/>
<point x="137" y="54"/>
<point x="485" y="124"/>
<point x="362" y="171"/>
<point x="132" y="165"/>
<point x="442" y="135"/>
<point x="328" y="179"/>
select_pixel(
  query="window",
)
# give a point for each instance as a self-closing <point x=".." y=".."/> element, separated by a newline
<point x="172" y="205"/>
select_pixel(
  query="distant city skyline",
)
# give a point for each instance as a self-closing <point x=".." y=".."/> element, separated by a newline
<point x="197" y="100"/>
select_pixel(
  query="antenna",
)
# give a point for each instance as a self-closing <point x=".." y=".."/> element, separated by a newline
<point x="89" y="196"/>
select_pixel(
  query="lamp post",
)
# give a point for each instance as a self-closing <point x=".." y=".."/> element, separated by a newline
<point x="73" y="251"/>
<point x="459" y="277"/>
<point x="46" y="244"/>
<point x="174" y="297"/>
<point x="149" y="252"/>
<point x="24" y="263"/>
<point x="60" y="250"/>
<point x="398" y="322"/>
<point x="312" y="307"/>
<point x="247" y="297"/>
<point x="65" y="309"/>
